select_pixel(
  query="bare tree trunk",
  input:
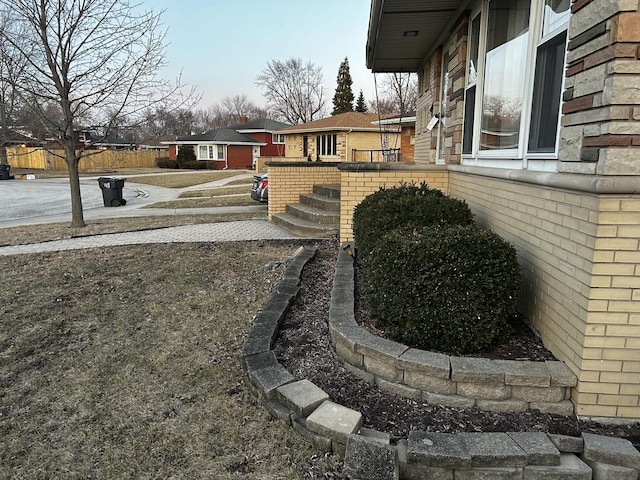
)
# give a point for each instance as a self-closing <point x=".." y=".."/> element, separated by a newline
<point x="4" y="159"/>
<point x="77" y="216"/>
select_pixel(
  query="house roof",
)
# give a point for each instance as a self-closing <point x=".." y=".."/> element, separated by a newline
<point x="343" y="121"/>
<point x="259" y="125"/>
<point x="225" y="136"/>
<point x="406" y="119"/>
<point x="11" y="137"/>
<point x="402" y="33"/>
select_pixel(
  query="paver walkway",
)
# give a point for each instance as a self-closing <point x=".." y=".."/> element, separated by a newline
<point x="206" y="232"/>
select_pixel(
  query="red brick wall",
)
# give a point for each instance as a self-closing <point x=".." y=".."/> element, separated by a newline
<point x="239" y="156"/>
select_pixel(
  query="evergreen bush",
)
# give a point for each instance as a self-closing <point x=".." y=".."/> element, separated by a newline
<point x="194" y="165"/>
<point x="448" y="289"/>
<point x="408" y="206"/>
<point x="185" y="155"/>
<point x="166" y="163"/>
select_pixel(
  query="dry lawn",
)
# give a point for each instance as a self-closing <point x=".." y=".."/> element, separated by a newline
<point x="182" y="178"/>
<point x="124" y="363"/>
<point x="207" y="202"/>
<point x="218" y="191"/>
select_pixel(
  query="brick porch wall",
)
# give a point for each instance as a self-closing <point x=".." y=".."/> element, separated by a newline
<point x="359" y="180"/>
<point x="289" y="180"/>
<point x="577" y="239"/>
<point x="579" y="250"/>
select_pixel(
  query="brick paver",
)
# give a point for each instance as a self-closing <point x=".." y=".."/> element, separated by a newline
<point x="206" y="232"/>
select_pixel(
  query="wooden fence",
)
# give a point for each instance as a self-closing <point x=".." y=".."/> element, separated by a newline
<point x="41" y="159"/>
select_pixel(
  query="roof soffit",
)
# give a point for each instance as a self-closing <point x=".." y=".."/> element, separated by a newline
<point x="392" y="43"/>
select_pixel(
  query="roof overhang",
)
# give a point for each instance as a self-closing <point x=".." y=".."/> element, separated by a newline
<point x="397" y="121"/>
<point x="403" y="33"/>
<point x="328" y="129"/>
<point x="215" y="142"/>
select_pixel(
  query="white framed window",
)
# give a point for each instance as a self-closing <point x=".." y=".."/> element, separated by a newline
<point x="277" y="138"/>
<point x="210" y="152"/>
<point x="516" y="56"/>
<point x="327" y="145"/>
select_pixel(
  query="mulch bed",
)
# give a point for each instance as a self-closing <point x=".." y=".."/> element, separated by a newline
<point x="304" y="348"/>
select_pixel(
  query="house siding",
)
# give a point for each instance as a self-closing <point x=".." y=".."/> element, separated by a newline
<point x="427" y="140"/>
<point x="600" y="122"/>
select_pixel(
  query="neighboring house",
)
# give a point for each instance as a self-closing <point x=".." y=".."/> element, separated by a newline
<point x="349" y="136"/>
<point x="9" y="137"/>
<point x="224" y="146"/>
<point x="237" y="146"/>
<point x="532" y="107"/>
<point x="266" y="131"/>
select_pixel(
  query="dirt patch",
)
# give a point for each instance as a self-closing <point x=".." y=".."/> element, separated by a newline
<point x="304" y="348"/>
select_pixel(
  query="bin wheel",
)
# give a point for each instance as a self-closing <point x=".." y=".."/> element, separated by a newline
<point x="115" y="202"/>
<point x="123" y="202"/>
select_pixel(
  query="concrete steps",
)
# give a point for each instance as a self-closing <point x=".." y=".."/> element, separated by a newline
<point x="316" y="216"/>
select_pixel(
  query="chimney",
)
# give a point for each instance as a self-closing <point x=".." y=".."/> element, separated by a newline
<point x="244" y="119"/>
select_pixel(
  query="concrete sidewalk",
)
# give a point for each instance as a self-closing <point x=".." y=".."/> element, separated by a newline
<point x="206" y="232"/>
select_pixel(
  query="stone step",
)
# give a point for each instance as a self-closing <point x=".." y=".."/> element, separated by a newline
<point x="329" y="190"/>
<point x="304" y="228"/>
<point x="313" y="214"/>
<point x="330" y="204"/>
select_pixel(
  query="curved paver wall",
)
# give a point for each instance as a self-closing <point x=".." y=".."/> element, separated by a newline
<point x="370" y="455"/>
<point x="462" y="382"/>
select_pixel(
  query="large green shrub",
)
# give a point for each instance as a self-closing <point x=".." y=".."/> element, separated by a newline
<point x="449" y="289"/>
<point x="408" y="206"/>
<point x="185" y="155"/>
<point x="195" y="165"/>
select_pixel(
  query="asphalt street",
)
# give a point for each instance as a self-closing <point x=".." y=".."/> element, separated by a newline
<point x="22" y="200"/>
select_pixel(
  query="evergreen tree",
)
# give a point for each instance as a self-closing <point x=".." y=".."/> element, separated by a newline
<point x="361" y="105"/>
<point x="343" y="98"/>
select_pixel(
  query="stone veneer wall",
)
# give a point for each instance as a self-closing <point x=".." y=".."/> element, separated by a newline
<point x="601" y="110"/>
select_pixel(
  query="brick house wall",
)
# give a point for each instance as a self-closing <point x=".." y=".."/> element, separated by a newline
<point x="576" y="229"/>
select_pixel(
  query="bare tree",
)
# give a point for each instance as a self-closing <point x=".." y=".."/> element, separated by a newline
<point x="293" y="90"/>
<point x="11" y="69"/>
<point x="397" y="94"/>
<point x="240" y="106"/>
<point x="95" y="59"/>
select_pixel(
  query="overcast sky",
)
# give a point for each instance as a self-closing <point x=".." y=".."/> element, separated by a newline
<point x="222" y="46"/>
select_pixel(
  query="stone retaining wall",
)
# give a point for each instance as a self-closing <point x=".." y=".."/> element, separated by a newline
<point x="461" y="382"/>
<point x="369" y="455"/>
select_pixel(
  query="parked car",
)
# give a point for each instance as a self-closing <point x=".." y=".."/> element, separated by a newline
<point x="260" y="188"/>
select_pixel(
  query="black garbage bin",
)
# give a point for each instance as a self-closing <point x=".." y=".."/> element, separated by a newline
<point x="112" y="191"/>
<point x="5" y="168"/>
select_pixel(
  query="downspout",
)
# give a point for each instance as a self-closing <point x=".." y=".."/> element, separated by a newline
<point x="346" y="144"/>
<point x="226" y="157"/>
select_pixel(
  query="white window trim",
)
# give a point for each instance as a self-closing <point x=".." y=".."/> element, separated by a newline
<point x="511" y="158"/>
<point x="211" y="147"/>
